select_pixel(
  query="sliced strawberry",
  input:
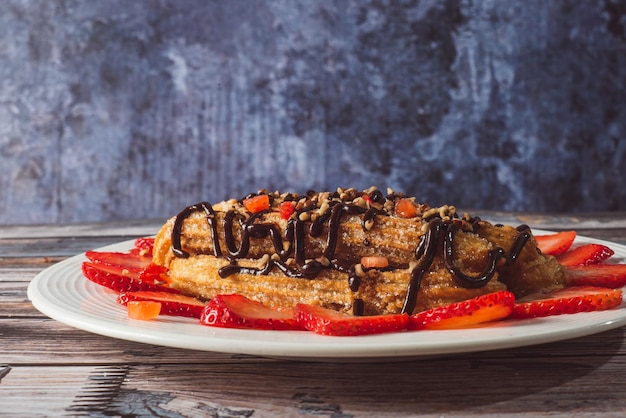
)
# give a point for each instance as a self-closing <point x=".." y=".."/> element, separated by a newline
<point x="486" y="308"/>
<point x="555" y="244"/>
<point x="144" y="242"/>
<point x="286" y="209"/>
<point x="135" y="266"/>
<point x="257" y="203"/>
<point x="132" y="272"/>
<point x="118" y="279"/>
<point x="154" y="274"/>
<point x="569" y="300"/>
<point x="601" y="275"/>
<point x="145" y="309"/>
<point x="125" y="260"/>
<point x="143" y="246"/>
<point x="171" y="304"/>
<point x="585" y="255"/>
<point x="328" y="322"/>
<point x="237" y="311"/>
<point x="405" y="208"/>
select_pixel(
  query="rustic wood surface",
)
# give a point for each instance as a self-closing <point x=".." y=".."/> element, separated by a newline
<point x="50" y="369"/>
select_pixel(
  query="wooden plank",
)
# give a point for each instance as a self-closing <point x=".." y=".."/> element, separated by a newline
<point x="52" y="249"/>
<point x="88" y="230"/>
<point x="15" y="302"/>
<point x="435" y="387"/>
<point x="57" y="343"/>
<point x="20" y="273"/>
<point x="585" y="386"/>
<point x="14" y="282"/>
<point x="40" y="392"/>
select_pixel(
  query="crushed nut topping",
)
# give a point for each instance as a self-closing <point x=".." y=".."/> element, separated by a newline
<point x="313" y="205"/>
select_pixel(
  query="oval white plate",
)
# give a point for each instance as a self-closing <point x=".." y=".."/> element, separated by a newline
<point x="62" y="293"/>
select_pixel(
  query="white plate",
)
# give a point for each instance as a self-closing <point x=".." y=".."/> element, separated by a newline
<point x="62" y="293"/>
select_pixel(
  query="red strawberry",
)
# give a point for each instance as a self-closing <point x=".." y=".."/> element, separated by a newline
<point x="405" y="208"/>
<point x="585" y="255"/>
<point x="143" y="246"/>
<point x="490" y="307"/>
<point x="127" y="260"/>
<point x="119" y="279"/>
<point x="144" y="242"/>
<point x="555" y="244"/>
<point x="154" y="274"/>
<point x="257" y="203"/>
<point x="171" y="304"/>
<point x="569" y="300"/>
<point x="328" y="322"/>
<point x="237" y="311"/>
<point x="286" y="209"/>
<point x="130" y="265"/>
<point x="602" y="275"/>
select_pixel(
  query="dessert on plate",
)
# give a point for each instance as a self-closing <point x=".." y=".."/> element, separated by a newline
<point x="361" y="252"/>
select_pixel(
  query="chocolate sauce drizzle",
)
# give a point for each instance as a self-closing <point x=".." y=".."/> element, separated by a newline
<point x="205" y="207"/>
<point x="440" y="234"/>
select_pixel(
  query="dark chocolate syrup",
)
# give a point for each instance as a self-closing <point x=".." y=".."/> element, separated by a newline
<point x="429" y="242"/>
<point x="439" y="234"/>
<point x="521" y="239"/>
<point x="354" y="281"/>
<point x="425" y="254"/>
<point x="205" y="207"/>
<point x="357" y="307"/>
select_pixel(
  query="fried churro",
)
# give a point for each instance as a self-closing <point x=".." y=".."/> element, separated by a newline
<point x="282" y="249"/>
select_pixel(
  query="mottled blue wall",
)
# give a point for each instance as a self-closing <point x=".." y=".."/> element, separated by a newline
<point x="134" y="109"/>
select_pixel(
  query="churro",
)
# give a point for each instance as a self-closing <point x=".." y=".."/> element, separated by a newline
<point x="282" y="248"/>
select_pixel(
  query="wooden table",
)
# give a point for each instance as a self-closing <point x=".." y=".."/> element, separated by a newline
<point x="50" y="369"/>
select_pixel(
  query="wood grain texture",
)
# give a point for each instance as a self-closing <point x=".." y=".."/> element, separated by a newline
<point x="50" y="369"/>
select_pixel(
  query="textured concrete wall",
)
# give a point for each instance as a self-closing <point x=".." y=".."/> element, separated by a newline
<point x="133" y="109"/>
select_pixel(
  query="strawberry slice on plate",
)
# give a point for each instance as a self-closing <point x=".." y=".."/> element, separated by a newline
<point x="601" y="275"/>
<point x="131" y="262"/>
<point x="585" y="255"/>
<point x="486" y="308"/>
<point x="124" y="271"/>
<point x="237" y="311"/>
<point x="557" y="243"/>
<point x="569" y="300"/>
<point x="328" y="322"/>
<point x="120" y="279"/>
<point x="171" y="304"/>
